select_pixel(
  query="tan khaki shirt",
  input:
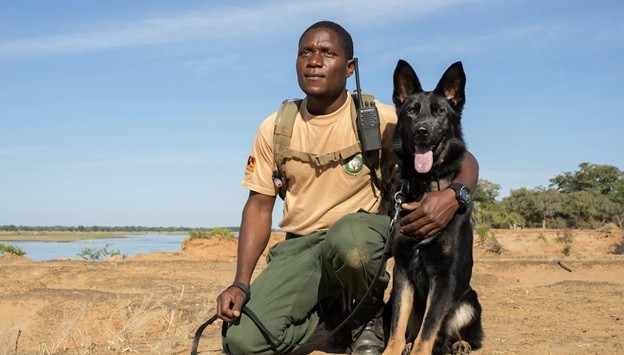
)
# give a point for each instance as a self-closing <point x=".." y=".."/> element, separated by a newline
<point x="318" y="197"/>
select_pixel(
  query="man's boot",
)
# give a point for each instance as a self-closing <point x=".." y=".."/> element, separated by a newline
<point x="367" y="330"/>
<point x="333" y="311"/>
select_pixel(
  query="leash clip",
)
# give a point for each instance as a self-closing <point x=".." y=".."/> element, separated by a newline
<point x="399" y="197"/>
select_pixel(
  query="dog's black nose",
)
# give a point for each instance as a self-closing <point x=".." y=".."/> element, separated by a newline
<point x="422" y="132"/>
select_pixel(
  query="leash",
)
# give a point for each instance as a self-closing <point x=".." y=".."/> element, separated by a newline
<point x="399" y="197"/>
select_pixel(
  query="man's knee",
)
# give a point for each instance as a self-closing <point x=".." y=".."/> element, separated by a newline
<point x="352" y="242"/>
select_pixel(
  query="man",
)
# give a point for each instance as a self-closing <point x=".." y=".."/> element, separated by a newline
<point x="335" y="235"/>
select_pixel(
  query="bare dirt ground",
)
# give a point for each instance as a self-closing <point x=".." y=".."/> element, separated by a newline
<point x="153" y="303"/>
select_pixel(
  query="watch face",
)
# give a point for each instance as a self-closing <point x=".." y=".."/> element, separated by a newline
<point x="464" y="195"/>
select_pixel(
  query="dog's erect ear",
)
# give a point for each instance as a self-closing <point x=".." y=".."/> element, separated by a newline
<point x="452" y="85"/>
<point x="405" y="83"/>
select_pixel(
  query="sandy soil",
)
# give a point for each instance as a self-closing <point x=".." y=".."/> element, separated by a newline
<point x="153" y="303"/>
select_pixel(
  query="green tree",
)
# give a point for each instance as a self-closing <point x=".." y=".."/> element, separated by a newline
<point x="484" y="200"/>
<point x="595" y="193"/>
<point x="536" y="206"/>
<point x="590" y="177"/>
<point x="486" y="192"/>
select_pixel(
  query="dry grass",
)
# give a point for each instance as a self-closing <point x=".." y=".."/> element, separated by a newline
<point x="123" y="331"/>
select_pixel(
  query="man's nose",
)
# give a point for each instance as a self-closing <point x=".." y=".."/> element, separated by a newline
<point x="315" y="60"/>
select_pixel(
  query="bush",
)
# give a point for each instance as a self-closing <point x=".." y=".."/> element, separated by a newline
<point x="11" y="249"/>
<point x="99" y="254"/>
<point x="482" y="230"/>
<point x="566" y="238"/>
<point x="493" y="245"/>
<point x="205" y="234"/>
<point x="619" y="248"/>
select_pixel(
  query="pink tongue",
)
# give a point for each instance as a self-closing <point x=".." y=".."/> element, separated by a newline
<point x="423" y="159"/>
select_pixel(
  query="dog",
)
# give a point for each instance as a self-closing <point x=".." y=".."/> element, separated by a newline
<point x="433" y="308"/>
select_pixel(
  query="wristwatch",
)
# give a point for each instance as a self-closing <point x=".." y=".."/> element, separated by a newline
<point x="462" y="194"/>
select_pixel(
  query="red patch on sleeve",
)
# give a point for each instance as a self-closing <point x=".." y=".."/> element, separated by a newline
<point x="251" y="165"/>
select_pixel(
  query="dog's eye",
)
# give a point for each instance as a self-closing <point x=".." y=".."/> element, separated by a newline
<point x="413" y="110"/>
<point x="439" y="110"/>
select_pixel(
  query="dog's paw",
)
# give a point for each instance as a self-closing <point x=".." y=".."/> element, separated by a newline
<point x="461" y="348"/>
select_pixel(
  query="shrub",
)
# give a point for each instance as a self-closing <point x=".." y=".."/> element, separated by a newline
<point x="205" y="234"/>
<point x="482" y="230"/>
<point x="199" y="234"/>
<point x="566" y="238"/>
<point x="493" y="245"/>
<point x="11" y="249"/>
<point x="566" y="249"/>
<point x="99" y="254"/>
<point x="619" y="248"/>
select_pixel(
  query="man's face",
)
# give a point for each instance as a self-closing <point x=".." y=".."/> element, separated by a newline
<point x="322" y="68"/>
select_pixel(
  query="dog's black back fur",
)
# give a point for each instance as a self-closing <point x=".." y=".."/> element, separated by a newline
<point x="429" y="143"/>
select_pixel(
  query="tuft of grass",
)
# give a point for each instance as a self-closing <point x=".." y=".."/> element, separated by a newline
<point x="11" y="249"/>
<point x="566" y="249"/>
<point x="542" y="238"/>
<point x="93" y="254"/>
<point x="207" y="234"/>
<point x="566" y="238"/>
<point x="619" y="248"/>
<point x="493" y="245"/>
<point x="482" y="231"/>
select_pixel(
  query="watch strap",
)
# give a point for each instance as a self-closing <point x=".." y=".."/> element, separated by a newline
<point x="457" y="187"/>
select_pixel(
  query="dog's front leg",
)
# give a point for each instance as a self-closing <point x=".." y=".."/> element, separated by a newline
<point x="438" y="304"/>
<point x="402" y="305"/>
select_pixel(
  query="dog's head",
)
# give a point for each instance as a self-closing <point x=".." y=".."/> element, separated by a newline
<point x="428" y="130"/>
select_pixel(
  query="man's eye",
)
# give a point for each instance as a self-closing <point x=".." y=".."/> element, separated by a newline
<point x="304" y="53"/>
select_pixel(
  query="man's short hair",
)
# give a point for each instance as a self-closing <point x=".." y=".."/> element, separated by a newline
<point x="345" y="38"/>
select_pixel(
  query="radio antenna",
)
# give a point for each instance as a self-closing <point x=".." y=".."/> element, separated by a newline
<point x="357" y="82"/>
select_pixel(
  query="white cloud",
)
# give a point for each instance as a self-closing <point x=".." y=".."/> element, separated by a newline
<point x="536" y="35"/>
<point x="167" y="159"/>
<point x="227" y="24"/>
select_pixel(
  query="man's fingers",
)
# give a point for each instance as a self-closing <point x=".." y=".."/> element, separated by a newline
<point x="410" y="206"/>
<point x="229" y="307"/>
<point x="413" y="216"/>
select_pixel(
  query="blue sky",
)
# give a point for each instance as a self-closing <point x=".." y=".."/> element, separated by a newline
<point x="143" y="113"/>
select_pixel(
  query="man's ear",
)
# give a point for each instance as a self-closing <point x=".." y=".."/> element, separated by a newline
<point x="350" y="67"/>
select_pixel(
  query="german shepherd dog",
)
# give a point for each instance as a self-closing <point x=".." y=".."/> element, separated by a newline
<point x="434" y="309"/>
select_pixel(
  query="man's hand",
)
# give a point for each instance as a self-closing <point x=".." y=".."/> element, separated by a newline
<point x="430" y="215"/>
<point x="229" y="303"/>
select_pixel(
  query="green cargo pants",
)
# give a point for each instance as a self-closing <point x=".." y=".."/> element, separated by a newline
<point x="302" y="271"/>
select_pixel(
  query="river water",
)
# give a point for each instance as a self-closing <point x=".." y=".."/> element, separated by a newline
<point x="127" y="245"/>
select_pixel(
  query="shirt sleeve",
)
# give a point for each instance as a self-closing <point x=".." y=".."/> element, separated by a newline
<point x="260" y="163"/>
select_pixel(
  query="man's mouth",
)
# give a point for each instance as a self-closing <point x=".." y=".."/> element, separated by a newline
<point x="314" y="76"/>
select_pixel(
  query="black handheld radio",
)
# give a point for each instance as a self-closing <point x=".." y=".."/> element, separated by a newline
<point x="367" y="118"/>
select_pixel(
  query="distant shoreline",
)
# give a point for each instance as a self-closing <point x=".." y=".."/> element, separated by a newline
<point x="54" y="236"/>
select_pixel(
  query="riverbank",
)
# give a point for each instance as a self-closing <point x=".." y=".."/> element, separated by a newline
<point x="153" y="303"/>
<point x="54" y="236"/>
